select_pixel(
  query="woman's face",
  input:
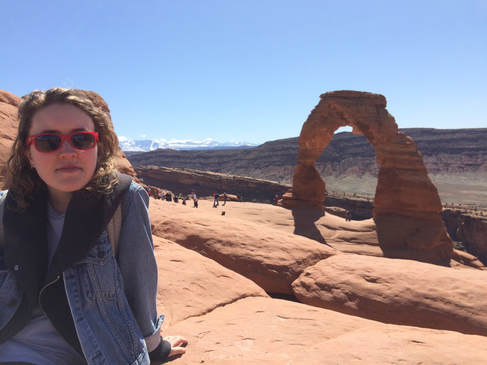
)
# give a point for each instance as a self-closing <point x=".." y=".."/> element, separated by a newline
<point x="67" y="169"/>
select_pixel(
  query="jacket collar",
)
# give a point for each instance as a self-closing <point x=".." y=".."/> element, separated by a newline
<point x="26" y="234"/>
<point x="83" y="224"/>
<point x="26" y="238"/>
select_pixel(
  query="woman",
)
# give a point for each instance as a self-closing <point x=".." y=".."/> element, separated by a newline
<point x="65" y="296"/>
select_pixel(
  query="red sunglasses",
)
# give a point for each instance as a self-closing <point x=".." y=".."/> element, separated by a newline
<point x="50" y="142"/>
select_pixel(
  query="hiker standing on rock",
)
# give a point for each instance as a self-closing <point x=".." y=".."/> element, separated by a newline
<point x="78" y="277"/>
<point x="215" y="200"/>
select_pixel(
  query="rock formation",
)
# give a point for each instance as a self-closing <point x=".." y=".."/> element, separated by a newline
<point x="406" y="206"/>
<point x="281" y="257"/>
<point x="370" y="287"/>
<point x="8" y="128"/>
<point x="228" y="318"/>
<point x="469" y="229"/>
<point x="205" y="183"/>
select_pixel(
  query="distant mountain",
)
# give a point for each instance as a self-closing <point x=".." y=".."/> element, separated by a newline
<point x="146" y="145"/>
<point x="455" y="158"/>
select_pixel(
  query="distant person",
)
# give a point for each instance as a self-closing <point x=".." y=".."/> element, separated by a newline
<point x="348" y="216"/>
<point x="215" y="200"/>
<point x="276" y="198"/>
<point x="224" y="199"/>
<point x="168" y="196"/>
<point x="175" y="198"/>
<point x="195" y="200"/>
<point x="183" y="201"/>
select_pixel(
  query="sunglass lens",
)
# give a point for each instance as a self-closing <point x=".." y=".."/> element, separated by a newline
<point x="83" y="141"/>
<point x="47" y="142"/>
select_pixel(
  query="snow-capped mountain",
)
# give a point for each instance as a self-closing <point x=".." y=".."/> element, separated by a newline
<point x="144" y="145"/>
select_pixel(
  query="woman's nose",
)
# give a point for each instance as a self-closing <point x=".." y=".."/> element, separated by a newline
<point x="66" y="149"/>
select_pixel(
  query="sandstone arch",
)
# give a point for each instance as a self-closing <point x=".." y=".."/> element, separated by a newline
<point x="407" y="205"/>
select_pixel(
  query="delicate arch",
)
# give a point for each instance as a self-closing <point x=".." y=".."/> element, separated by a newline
<point x="407" y="205"/>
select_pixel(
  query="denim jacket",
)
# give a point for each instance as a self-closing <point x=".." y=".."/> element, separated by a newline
<point x="112" y="302"/>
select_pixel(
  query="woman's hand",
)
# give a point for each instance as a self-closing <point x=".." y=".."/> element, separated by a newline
<point x="177" y="345"/>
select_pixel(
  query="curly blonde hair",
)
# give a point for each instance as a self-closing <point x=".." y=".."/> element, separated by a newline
<point x="23" y="180"/>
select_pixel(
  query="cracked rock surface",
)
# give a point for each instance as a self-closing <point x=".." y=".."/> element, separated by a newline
<point x="210" y="293"/>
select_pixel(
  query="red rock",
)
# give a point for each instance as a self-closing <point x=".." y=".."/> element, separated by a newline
<point x="271" y="258"/>
<point x="466" y="259"/>
<point x="271" y="331"/>
<point x="407" y="205"/>
<point x="9" y="98"/>
<point x="469" y="229"/>
<point x="191" y="285"/>
<point x="398" y="291"/>
<point x="205" y="182"/>
<point x="8" y="128"/>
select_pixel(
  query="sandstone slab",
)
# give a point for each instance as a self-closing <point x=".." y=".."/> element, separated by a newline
<point x="398" y="291"/>
<point x="191" y="285"/>
<point x="270" y="257"/>
<point x="272" y="331"/>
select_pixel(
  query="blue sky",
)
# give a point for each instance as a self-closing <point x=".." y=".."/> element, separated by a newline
<point x="250" y="70"/>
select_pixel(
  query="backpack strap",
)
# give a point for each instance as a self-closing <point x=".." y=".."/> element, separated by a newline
<point x="114" y="227"/>
<point x="113" y="215"/>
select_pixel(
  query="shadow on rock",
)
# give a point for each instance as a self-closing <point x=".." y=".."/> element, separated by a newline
<point x="304" y="222"/>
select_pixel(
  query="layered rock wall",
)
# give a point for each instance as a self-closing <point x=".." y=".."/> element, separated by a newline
<point x="470" y="230"/>
<point x="205" y="183"/>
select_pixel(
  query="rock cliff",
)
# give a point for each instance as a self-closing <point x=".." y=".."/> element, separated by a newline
<point x="455" y="159"/>
<point x="206" y="183"/>
<point x="469" y="230"/>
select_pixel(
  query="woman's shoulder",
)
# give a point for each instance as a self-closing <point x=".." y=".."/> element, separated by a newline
<point x="136" y="188"/>
<point x="136" y="193"/>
